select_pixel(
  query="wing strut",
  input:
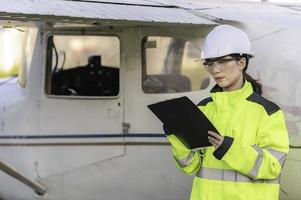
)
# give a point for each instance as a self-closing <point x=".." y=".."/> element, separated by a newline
<point x="36" y="186"/>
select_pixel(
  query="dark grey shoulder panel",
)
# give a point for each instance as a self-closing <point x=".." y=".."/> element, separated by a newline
<point x="204" y="101"/>
<point x="269" y="106"/>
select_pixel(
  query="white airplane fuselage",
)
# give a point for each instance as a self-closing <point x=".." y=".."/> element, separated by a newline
<point x="113" y="147"/>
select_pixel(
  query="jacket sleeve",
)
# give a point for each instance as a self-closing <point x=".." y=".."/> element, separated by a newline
<point x="188" y="161"/>
<point x="264" y="159"/>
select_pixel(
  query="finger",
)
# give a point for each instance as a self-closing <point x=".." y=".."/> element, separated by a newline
<point x="213" y="134"/>
<point x="214" y="141"/>
<point x="213" y="144"/>
<point x="216" y="138"/>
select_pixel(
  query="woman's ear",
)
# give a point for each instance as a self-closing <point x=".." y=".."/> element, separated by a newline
<point x="242" y="64"/>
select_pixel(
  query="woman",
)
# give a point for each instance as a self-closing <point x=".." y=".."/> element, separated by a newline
<point x="245" y="160"/>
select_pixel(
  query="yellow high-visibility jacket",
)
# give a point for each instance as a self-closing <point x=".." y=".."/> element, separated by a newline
<point x="248" y="164"/>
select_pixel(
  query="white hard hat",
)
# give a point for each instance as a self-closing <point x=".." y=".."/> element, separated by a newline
<point x="224" y="40"/>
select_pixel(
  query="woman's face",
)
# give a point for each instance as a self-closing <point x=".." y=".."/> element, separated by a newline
<point x="227" y="72"/>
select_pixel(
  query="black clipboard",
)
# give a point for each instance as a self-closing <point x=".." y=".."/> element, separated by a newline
<point x="185" y="120"/>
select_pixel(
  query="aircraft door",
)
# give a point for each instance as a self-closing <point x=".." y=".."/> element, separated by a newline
<point x="169" y="70"/>
<point x="82" y="111"/>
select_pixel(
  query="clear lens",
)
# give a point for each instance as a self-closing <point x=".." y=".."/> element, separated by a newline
<point x="209" y="64"/>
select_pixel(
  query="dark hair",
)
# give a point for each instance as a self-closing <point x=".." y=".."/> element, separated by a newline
<point x="257" y="87"/>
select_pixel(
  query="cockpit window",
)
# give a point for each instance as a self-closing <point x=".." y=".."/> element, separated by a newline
<point x="170" y="65"/>
<point x="83" y="65"/>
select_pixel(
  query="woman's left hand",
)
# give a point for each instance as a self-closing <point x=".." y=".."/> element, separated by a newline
<point x="215" y="139"/>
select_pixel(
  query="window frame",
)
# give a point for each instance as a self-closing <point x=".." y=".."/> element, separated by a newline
<point x="47" y="74"/>
<point x="144" y="65"/>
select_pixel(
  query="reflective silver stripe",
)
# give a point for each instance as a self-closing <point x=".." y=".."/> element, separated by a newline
<point x="231" y="175"/>
<point x="281" y="156"/>
<point x="186" y="161"/>
<point x="254" y="171"/>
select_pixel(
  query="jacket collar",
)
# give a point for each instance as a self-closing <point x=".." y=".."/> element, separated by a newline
<point x="231" y="98"/>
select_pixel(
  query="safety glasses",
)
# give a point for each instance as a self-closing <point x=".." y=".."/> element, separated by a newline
<point x="219" y="62"/>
